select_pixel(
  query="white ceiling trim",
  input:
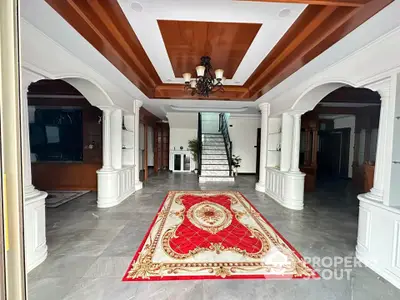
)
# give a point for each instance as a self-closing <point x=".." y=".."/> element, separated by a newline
<point x="208" y="109"/>
<point x="273" y="27"/>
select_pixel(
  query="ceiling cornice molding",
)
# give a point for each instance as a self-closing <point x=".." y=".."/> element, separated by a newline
<point x="206" y="109"/>
<point x="351" y="3"/>
<point x="245" y="116"/>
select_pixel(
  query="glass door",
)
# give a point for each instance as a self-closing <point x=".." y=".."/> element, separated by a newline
<point x="12" y="266"/>
<point x="186" y="162"/>
<point x="177" y="162"/>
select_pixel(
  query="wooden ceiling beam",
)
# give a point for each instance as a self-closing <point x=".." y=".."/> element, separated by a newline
<point x="317" y="29"/>
<point x="104" y="25"/>
<point x="351" y="3"/>
<point x="176" y="91"/>
<point x="116" y="35"/>
<point x="308" y="22"/>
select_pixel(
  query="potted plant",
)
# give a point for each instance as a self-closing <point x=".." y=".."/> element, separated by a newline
<point x="236" y="160"/>
<point x="194" y="148"/>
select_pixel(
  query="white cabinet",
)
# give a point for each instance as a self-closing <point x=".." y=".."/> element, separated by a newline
<point x="180" y="161"/>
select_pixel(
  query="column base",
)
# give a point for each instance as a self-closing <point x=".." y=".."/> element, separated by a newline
<point x="35" y="227"/>
<point x="138" y="185"/>
<point x="370" y="239"/>
<point x="286" y="188"/>
<point x="114" y="186"/>
<point x="107" y="188"/>
<point x="260" y="187"/>
<point x="373" y="195"/>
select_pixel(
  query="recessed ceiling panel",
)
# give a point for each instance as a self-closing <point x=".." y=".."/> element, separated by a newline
<point x="187" y="41"/>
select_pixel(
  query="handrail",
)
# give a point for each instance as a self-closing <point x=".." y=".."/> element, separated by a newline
<point x="223" y="128"/>
<point x="199" y="144"/>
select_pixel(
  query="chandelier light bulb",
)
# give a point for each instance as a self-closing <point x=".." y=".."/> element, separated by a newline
<point x="186" y="77"/>
<point x="200" y="71"/>
<point x="206" y="81"/>
<point x="223" y="80"/>
<point x="219" y="73"/>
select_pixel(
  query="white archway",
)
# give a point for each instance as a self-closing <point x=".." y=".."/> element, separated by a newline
<point x="34" y="200"/>
<point x="312" y="96"/>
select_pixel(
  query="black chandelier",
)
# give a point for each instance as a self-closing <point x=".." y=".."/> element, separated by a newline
<point x="206" y="82"/>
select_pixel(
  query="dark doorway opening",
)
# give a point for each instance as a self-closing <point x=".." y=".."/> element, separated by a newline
<point x="258" y="154"/>
<point x="333" y="155"/>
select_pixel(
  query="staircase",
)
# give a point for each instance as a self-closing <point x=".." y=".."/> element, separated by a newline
<point x="214" y="163"/>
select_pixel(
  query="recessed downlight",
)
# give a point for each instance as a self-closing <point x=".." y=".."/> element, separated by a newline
<point x="136" y="6"/>
<point x="286" y="12"/>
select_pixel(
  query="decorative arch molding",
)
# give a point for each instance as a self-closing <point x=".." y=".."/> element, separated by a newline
<point x="88" y="87"/>
<point x="314" y="94"/>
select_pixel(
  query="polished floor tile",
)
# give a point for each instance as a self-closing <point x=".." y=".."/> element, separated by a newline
<point x="91" y="248"/>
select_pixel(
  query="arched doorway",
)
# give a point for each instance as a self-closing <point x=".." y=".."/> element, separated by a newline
<point x="65" y="141"/>
<point x="339" y="141"/>
<point x="67" y="150"/>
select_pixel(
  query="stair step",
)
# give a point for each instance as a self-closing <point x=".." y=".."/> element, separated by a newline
<point x="214" y="161"/>
<point x="214" y="151"/>
<point x="221" y="167"/>
<point x="213" y="156"/>
<point x="212" y="144"/>
<point x="213" y="147"/>
<point x="215" y="137"/>
<point x="204" y="179"/>
<point x="214" y="173"/>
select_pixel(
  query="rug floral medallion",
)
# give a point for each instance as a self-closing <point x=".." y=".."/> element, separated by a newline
<point x="213" y="235"/>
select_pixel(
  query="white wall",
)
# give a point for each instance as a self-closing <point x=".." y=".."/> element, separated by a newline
<point x="150" y="146"/>
<point x="187" y="120"/>
<point x="180" y="137"/>
<point x="348" y="122"/>
<point x="243" y="134"/>
<point x="182" y="128"/>
<point x="210" y="122"/>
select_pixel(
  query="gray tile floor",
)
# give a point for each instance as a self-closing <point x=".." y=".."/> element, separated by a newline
<point x="90" y="248"/>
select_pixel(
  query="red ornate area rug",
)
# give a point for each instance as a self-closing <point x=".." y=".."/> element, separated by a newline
<point x="213" y="235"/>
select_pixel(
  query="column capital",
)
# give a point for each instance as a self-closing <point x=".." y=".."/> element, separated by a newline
<point x="382" y="87"/>
<point x="107" y="109"/>
<point x="138" y="104"/>
<point x="264" y="107"/>
<point x="296" y="113"/>
<point x="27" y="78"/>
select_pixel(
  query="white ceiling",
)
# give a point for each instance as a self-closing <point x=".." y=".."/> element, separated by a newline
<point x="160" y="107"/>
<point x="144" y="23"/>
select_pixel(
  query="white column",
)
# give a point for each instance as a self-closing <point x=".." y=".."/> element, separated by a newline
<point x="107" y="158"/>
<point x="34" y="200"/>
<point x="385" y="142"/>
<point x="294" y="165"/>
<point x="260" y="185"/>
<point x="138" y="183"/>
<point x="286" y="142"/>
<point x="116" y="139"/>
<point x="108" y="188"/>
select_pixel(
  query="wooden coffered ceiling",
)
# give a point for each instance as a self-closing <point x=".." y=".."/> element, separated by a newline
<point x="322" y="23"/>
<point x="225" y="43"/>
